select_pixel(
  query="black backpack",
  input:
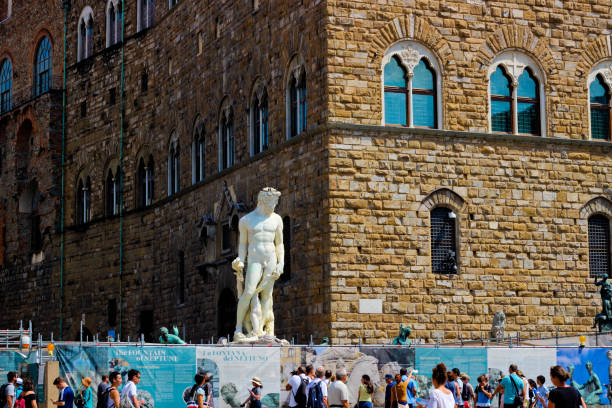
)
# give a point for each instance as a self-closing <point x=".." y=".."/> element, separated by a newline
<point x="3" y="395"/>
<point x="103" y="402"/>
<point x="300" y="395"/>
<point x="465" y="393"/>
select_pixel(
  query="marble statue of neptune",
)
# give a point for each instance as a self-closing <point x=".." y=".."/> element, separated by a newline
<point x="261" y="249"/>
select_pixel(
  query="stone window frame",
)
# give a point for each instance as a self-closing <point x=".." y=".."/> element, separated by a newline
<point x="43" y="65"/>
<point x="603" y="68"/>
<point x="85" y="44"/>
<point x="145" y="18"/>
<point x="259" y="109"/>
<point x="83" y="202"/>
<point x="410" y="53"/>
<point x="148" y="182"/>
<point x="198" y="145"/>
<point x="9" y="10"/>
<point x="596" y="206"/>
<point x="227" y="143"/>
<point x="113" y="34"/>
<point x="6" y="84"/>
<point x="447" y="198"/>
<point x="515" y="61"/>
<point x="296" y="76"/>
<point x="174" y="165"/>
<point x="112" y="168"/>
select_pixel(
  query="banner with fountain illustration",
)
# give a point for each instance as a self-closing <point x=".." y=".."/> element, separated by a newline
<point x="166" y="372"/>
<point x="233" y="368"/>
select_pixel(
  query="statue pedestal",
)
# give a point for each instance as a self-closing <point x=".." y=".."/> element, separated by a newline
<point x="265" y="339"/>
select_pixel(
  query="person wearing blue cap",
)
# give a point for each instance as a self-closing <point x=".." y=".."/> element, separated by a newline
<point x="390" y="384"/>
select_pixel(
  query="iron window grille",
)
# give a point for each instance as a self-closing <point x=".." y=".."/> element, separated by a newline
<point x="599" y="245"/>
<point x="443" y="241"/>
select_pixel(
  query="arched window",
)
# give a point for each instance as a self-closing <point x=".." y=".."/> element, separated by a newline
<point x="297" y="107"/>
<point x="113" y="22"/>
<point x="174" y="169"/>
<point x="599" y="245"/>
<point x="83" y="200"/>
<point x="6" y="86"/>
<point x="259" y="122"/>
<point x="410" y="99"/>
<point x="599" y="98"/>
<point x="516" y="95"/>
<point x="145" y="180"/>
<point x="501" y="101"/>
<point x="443" y="241"/>
<point x="85" y="34"/>
<point x="146" y="14"/>
<point x="287" y="244"/>
<point x="226" y="140"/>
<point x="42" y="71"/>
<point x="198" y="154"/>
<point x="112" y="192"/>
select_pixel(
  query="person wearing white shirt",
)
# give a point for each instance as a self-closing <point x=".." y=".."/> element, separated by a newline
<point x="293" y="385"/>
<point x="319" y="379"/>
<point x="338" y="395"/>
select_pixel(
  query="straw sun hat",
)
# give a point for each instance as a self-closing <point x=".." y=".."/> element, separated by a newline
<point x="257" y="381"/>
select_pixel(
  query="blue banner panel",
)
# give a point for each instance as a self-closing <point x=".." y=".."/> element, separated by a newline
<point x="589" y="370"/>
<point x="166" y="372"/>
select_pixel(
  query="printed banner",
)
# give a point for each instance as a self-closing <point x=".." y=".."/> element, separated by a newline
<point x="532" y="362"/>
<point x="232" y="369"/>
<point x="473" y="362"/>
<point x="590" y="372"/>
<point x="11" y="361"/>
<point x="166" y="372"/>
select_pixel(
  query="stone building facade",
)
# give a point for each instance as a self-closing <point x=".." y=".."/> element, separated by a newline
<point x="164" y="151"/>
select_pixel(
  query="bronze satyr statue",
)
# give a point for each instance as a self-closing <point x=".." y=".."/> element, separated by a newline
<point x="604" y="319"/>
<point x="167" y="338"/>
<point x="402" y="339"/>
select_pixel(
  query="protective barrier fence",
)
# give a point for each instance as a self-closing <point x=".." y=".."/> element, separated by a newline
<point x="167" y="371"/>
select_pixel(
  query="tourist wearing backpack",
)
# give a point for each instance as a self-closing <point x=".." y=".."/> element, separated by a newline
<point x="366" y="390"/>
<point x="129" y="393"/>
<point x="297" y="388"/>
<point x="102" y="387"/>
<point x="197" y="394"/>
<point x="111" y="395"/>
<point x="317" y="391"/>
<point x="467" y="394"/>
<point x="7" y="391"/>
<point x="84" y="397"/>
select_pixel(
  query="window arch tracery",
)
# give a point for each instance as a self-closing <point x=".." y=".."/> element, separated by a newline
<point x="599" y="84"/>
<point x="412" y="85"/>
<point x="516" y="95"/>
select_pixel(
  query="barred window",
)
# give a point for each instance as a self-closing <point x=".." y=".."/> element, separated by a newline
<point x="599" y="245"/>
<point x="599" y="96"/>
<point x="443" y="241"/>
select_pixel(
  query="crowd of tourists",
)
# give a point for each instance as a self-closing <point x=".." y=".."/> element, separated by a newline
<point x="317" y="388"/>
<point x="311" y="387"/>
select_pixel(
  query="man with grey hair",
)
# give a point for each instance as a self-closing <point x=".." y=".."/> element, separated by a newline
<point x="317" y="390"/>
<point x="338" y="391"/>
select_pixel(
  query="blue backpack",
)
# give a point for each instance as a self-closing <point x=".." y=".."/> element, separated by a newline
<point x="315" y="397"/>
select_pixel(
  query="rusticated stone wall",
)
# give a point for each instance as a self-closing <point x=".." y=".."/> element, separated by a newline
<point x="522" y="205"/>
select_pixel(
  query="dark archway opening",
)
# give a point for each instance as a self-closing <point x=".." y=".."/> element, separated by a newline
<point x="226" y="313"/>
